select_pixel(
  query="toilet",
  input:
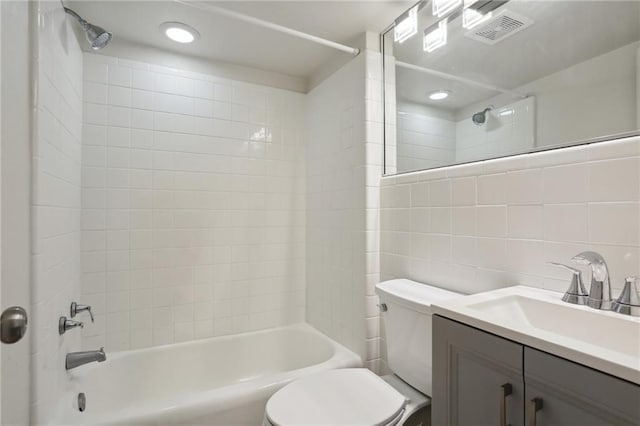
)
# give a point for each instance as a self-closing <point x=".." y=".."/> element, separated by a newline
<point x="358" y="397"/>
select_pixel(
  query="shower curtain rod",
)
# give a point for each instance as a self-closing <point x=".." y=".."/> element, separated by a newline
<point x="460" y="79"/>
<point x="270" y="25"/>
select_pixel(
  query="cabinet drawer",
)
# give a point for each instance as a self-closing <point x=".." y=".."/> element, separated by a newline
<point x="572" y="392"/>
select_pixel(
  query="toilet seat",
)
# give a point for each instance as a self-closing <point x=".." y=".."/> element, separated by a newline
<point x="350" y="396"/>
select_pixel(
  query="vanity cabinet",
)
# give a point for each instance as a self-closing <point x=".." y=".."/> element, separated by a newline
<point x="472" y="367"/>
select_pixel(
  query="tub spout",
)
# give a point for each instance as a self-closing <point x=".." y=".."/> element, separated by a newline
<point x="76" y="359"/>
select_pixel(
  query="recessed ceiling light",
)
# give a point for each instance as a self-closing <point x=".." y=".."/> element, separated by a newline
<point x="439" y="95"/>
<point x="179" y="32"/>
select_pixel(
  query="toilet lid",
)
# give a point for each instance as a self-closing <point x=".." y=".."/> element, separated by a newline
<point x="350" y="396"/>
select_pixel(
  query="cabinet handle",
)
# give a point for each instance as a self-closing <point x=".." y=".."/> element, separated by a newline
<point x="506" y="391"/>
<point x="535" y="405"/>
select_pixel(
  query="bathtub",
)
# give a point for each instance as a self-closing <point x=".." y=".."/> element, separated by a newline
<point x="219" y="381"/>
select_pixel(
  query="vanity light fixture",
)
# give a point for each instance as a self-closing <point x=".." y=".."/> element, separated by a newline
<point x="472" y="18"/>
<point x="407" y="26"/>
<point x="473" y="12"/>
<point x="439" y="95"/>
<point x="179" y="32"/>
<point x="436" y="38"/>
<point x="443" y="7"/>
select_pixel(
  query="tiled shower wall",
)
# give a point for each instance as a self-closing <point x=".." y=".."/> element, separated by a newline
<point x="192" y="206"/>
<point x="335" y="206"/>
<point x="508" y="129"/>
<point x="56" y="204"/>
<point x="496" y="223"/>
<point x="344" y="163"/>
<point x="425" y="138"/>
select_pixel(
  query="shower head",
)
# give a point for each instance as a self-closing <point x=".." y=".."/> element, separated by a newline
<point x="480" y="118"/>
<point x="96" y="36"/>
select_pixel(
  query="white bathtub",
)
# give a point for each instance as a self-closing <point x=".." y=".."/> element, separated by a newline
<point x="220" y="381"/>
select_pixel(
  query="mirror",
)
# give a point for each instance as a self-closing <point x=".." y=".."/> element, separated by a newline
<point x="469" y="80"/>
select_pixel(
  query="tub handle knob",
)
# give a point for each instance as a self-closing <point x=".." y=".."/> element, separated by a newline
<point x="65" y="324"/>
<point x="383" y="307"/>
<point x="76" y="309"/>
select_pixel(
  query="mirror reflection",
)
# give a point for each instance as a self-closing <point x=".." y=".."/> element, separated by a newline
<point x="468" y="80"/>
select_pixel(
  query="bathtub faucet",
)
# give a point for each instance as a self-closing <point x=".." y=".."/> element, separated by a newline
<point x="76" y="359"/>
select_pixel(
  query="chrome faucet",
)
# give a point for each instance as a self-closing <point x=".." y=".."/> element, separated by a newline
<point x="76" y="359"/>
<point x="600" y="291"/>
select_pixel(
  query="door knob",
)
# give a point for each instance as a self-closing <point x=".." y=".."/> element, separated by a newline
<point x="13" y="324"/>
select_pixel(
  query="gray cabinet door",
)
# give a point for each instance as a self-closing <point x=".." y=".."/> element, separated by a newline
<point x="470" y="368"/>
<point x="575" y="395"/>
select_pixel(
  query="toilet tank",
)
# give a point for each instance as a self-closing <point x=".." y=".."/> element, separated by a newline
<point x="407" y="326"/>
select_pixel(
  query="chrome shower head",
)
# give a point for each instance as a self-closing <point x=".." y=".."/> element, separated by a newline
<point x="480" y="118"/>
<point x="97" y="36"/>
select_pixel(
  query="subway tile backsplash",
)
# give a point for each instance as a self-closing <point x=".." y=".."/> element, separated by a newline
<point x="496" y="223"/>
<point x="193" y="208"/>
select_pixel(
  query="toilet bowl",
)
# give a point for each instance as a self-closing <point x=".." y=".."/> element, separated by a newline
<point x="358" y="397"/>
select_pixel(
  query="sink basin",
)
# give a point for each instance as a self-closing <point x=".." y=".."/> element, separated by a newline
<point x="586" y="325"/>
<point x="539" y="318"/>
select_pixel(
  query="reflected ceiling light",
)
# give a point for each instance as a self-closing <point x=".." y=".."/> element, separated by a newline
<point x="471" y="18"/>
<point x="179" y="32"/>
<point x="436" y="38"/>
<point x="439" y="95"/>
<point x="484" y="6"/>
<point x="407" y="27"/>
<point x="443" y="7"/>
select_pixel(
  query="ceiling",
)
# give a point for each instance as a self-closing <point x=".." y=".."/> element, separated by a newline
<point x="564" y="33"/>
<point x="228" y="40"/>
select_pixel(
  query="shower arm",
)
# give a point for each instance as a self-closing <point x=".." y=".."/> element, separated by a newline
<point x="71" y="12"/>
<point x="75" y="15"/>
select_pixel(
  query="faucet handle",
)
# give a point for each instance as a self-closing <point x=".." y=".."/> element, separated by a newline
<point x="65" y="324"/>
<point x="76" y="309"/>
<point x="576" y="293"/>
<point x="574" y="271"/>
<point x="629" y="301"/>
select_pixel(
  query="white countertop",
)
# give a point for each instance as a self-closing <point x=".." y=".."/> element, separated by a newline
<point x="604" y="340"/>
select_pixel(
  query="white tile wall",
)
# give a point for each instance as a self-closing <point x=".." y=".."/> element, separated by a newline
<point x="192" y="206"/>
<point x="335" y="206"/>
<point x="374" y="168"/>
<point x="496" y="223"/>
<point x="344" y="163"/>
<point x="56" y="182"/>
<point x="508" y="129"/>
<point x="426" y="138"/>
<point x="423" y="141"/>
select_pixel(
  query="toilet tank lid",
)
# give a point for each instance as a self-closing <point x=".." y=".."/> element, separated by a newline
<point x="412" y="294"/>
